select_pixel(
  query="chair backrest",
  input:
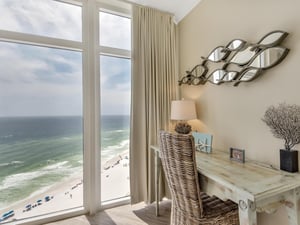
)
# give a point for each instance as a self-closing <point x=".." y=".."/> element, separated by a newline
<point x="178" y="160"/>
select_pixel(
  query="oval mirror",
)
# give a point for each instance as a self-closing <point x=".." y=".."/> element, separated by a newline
<point x="235" y="44"/>
<point x="273" y="38"/>
<point x="217" y="76"/>
<point x="187" y="79"/>
<point x="196" y="76"/>
<point x="269" y="57"/>
<point x="243" y="57"/>
<point x="199" y="70"/>
<point x="229" y="76"/>
<point x="197" y="81"/>
<point x="247" y="75"/>
<point x="218" y="54"/>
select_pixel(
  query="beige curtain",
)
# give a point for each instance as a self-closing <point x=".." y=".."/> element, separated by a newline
<point x="154" y="86"/>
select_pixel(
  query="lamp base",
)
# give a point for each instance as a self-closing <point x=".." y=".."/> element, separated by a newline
<point x="183" y="128"/>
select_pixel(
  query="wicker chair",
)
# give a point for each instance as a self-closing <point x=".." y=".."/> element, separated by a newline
<point x="190" y="206"/>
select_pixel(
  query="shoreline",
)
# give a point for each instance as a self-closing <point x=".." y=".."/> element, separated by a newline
<point x="69" y="192"/>
<point x="39" y="192"/>
<point x="55" y="192"/>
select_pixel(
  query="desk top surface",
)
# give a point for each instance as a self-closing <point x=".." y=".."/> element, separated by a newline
<point x="249" y="179"/>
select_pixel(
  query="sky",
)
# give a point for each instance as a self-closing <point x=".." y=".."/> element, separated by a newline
<point x="39" y="81"/>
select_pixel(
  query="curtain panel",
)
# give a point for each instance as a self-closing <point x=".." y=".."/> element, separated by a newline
<point x="154" y="86"/>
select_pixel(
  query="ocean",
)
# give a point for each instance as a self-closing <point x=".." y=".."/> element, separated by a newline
<point x="37" y="152"/>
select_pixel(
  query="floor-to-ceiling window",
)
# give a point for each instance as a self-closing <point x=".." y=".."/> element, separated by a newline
<point x="115" y="80"/>
<point x="50" y="57"/>
<point x="41" y="120"/>
<point x="40" y="130"/>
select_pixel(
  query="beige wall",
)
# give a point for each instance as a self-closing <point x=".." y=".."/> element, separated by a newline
<point x="233" y="114"/>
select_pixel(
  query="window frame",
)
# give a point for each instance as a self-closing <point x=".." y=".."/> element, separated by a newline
<point x="112" y="51"/>
<point x="91" y="51"/>
<point x="63" y="44"/>
<point x="124" y="11"/>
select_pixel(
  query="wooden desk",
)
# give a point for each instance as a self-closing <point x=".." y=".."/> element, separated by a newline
<point x="255" y="188"/>
<point x="157" y="173"/>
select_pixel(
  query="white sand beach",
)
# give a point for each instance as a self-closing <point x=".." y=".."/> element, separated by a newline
<point x="115" y="180"/>
<point x="68" y="194"/>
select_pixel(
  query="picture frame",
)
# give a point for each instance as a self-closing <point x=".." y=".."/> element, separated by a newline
<point x="203" y="142"/>
<point x="237" y="155"/>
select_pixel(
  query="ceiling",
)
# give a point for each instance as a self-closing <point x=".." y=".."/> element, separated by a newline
<point x="180" y="8"/>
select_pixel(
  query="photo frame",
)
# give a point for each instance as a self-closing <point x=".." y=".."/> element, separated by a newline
<point x="237" y="155"/>
<point x="203" y="142"/>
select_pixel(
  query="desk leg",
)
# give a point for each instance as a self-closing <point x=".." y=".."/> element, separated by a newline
<point x="292" y="206"/>
<point x="247" y="213"/>
<point x="157" y="173"/>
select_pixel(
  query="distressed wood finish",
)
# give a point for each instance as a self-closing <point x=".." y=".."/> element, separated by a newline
<point x="254" y="187"/>
<point x="157" y="174"/>
<point x="155" y="148"/>
<point x="292" y="205"/>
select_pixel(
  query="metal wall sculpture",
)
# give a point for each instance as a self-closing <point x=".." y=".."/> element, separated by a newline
<point x="238" y="61"/>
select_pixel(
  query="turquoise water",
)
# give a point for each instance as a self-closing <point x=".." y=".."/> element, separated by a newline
<point x="36" y="152"/>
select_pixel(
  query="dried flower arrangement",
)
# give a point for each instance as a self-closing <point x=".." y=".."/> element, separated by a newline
<point x="284" y="122"/>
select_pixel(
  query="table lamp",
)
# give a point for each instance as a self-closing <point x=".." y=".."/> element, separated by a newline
<point x="183" y="110"/>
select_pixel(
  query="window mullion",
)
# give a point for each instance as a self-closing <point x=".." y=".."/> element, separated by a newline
<point x="22" y="38"/>
<point x="109" y="51"/>
<point x="91" y="87"/>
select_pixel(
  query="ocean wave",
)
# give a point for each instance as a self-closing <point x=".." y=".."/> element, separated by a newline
<point x="66" y="138"/>
<point x="115" y="131"/>
<point x="119" y="131"/>
<point x="43" y="189"/>
<point x="22" y="179"/>
<point x="4" y="164"/>
<point x="107" y="138"/>
<point x="6" y="136"/>
<point x="123" y="145"/>
<point x="19" y="179"/>
<point x="58" y="165"/>
<point x="12" y="163"/>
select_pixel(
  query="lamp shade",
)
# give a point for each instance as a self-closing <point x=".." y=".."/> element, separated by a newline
<point x="183" y="110"/>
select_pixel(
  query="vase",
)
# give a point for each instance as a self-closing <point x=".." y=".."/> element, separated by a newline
<point x="289" y="160"/>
